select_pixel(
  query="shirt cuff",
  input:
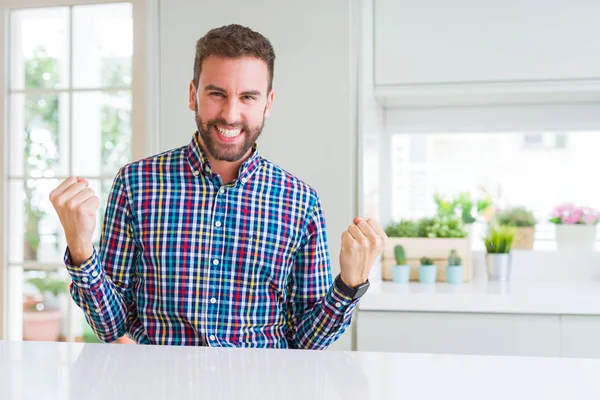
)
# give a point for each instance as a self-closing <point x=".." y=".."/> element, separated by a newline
<point x="88" y="275"/>
<point x="338" y="303"/>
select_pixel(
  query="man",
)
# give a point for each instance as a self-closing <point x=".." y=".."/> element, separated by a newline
<point x="211" y="244"/>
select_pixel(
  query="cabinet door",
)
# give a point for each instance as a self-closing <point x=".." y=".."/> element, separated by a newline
<point x="459" y="333"/>
<point x="580" y="336"/>
<point x="469" y="41"/>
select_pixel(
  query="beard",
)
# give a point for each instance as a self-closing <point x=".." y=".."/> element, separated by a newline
<point x="231" y="152"/>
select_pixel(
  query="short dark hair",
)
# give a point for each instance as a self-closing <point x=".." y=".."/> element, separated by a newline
<point x="234" y="41"/>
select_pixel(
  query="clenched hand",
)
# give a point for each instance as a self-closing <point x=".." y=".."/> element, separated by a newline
<point x="76" y="206"/>
<point x="362" y="243"/>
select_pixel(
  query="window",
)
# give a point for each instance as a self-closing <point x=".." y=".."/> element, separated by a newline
<point x="540" y="141"/>
<point x="549" y="169"/>
<point x="69" y="113"/>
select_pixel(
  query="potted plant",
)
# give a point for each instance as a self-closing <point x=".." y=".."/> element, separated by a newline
<point x="455" y="272"/>
<point x="404" y="228"/>
<point x="400" y="271"/>
<point x="575" y="227"/>
<point x="498" y="243"/>
<point x="524" y="223"/>
<point x="432" y="237"/>
<point x="427" y="271"/>
<point x="464" y="206"/>
<point x="41" y="314"/>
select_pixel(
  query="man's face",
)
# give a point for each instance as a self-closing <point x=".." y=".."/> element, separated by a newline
<point x="231" y="104"/>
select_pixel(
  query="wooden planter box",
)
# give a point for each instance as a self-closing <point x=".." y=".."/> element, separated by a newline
<point x="524" y="238"/>
<point x="436" y="249"/>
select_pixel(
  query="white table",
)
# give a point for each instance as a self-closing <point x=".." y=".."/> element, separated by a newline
<point x="32" y="371"/>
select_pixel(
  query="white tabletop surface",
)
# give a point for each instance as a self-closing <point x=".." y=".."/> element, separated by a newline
<point x="581" y="297"/>
<point x="32" y="371"/>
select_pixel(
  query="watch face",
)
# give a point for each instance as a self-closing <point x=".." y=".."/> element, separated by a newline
<point x="362" y="289"/>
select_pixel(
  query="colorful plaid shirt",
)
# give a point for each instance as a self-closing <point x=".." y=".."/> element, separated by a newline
<point x="187" y="260"/>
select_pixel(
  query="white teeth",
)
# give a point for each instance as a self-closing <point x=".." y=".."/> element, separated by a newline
<point x="229" y="132"/>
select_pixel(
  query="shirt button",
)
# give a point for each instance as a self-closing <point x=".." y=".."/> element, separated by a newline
<point x="97" y="310"/>
<point x="95" y="274"/>
<point x="244" y="180"/>
<point x="218" y="224"/>
<point x="222" y="190"/>
<point x="213" y="300"/>
<point x="196" y="172"/>
<point x="216" y="262"/>
<point x="338" y="304"/>
<point x="212" y="337"/>
<point x="84" y="279"/>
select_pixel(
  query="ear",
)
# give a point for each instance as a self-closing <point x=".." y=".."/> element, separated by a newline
<point x="192" y="97"/>
<point x="270" y="98"/>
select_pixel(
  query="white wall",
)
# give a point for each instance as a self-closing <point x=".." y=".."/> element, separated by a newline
<point x="312" y="131"/>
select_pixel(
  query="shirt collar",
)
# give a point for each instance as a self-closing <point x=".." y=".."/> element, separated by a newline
<point x="199" y="163"/>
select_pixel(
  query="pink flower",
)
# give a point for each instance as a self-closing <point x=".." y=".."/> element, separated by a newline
<point x="568" y="213"/>
<point x="572" y="218"/>
<point x="590" y="216"/>
<point x="562" y="210"/>
<point x="556" y="213"/>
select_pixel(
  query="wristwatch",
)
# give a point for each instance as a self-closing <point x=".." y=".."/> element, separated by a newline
<point x="352" y="292"/>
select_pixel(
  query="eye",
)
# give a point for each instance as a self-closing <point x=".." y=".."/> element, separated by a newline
<point x="248" y="97"/>
<point x="216" y="94"/>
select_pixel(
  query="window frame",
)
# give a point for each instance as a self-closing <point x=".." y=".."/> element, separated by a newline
<point x="144" y="113"/>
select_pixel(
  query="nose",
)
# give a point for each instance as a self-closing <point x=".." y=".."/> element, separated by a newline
<point x="230" y="112"/>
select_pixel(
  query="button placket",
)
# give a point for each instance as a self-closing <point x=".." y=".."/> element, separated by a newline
<point x="215" y="260"/>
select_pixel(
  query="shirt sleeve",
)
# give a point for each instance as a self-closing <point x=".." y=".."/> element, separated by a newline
<point x="318" y="313"/>
<point x="102" y="285"/>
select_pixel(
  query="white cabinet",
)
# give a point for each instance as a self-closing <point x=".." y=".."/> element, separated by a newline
<point x="435" y="41"/>
<point x="580" y="336"/>
<point x="477" y="52"/>
<point x="459" y="333"/>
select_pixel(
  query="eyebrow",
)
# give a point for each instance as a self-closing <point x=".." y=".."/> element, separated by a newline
<point x="245" y="93"/>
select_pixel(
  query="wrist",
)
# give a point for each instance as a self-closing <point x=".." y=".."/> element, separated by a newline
<point x="80" y="253"/>
<point x="353" y="292"/>
<point x="352" y="281"/>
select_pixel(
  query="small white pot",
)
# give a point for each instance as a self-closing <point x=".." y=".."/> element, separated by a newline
<point x="575" y="237"/>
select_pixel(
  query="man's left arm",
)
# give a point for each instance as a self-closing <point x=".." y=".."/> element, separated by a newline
<point x="319" y="310"/>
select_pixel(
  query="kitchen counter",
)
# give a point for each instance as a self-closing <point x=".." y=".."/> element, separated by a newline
<point x="576" y="298"/>
<point x="32" y="371"/>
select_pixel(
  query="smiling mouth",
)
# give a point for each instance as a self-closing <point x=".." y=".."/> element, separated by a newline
<point x="229" y="133"/>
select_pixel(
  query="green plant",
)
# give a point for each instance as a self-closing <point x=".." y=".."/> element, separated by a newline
<point x="442" y="227"/>
<point x="499" y="239"/>
<point x="436" y="227"/>
<point x="426" y="261"/>
<point x="49" y="285"/>
<point x="454" y="259"/>
<point x="484" y="203"/>
<point x="399" y="255"/>
<point x="445" y="206"/>
<point x="462" y="206"/>
<point x="404" y="228"/>
<point x="466" y="208"/>
<point x="424" y="226"/>
<point x="517" y="217"/>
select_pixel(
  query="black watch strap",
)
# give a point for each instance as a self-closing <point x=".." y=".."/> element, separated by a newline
<point x="352" y="292"/>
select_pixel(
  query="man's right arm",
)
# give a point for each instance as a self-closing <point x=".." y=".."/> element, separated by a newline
<point x="101" y="282"/>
